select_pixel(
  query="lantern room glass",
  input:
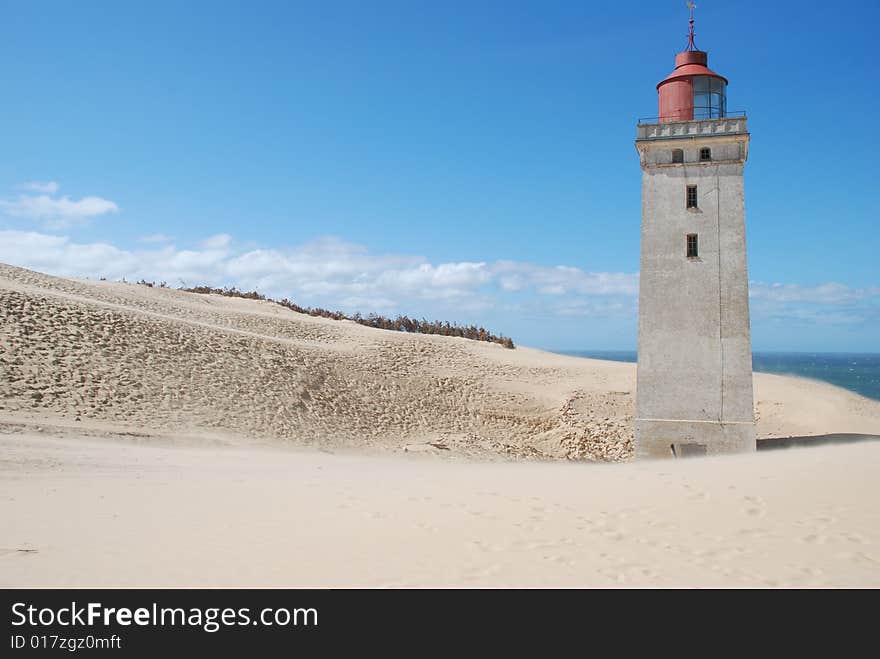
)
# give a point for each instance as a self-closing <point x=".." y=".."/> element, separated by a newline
<point x="710" y="98"/>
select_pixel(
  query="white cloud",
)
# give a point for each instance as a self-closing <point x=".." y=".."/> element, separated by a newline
<point x="50" y="187"/>
<point x="565" y="280"/>
<point x="330" y="272"/>
<point x="580" y="306"/>
<point x="44" y="207"/>
<point x="154" y="238"/>
<point x="511" y="283"/>
<point x="55" y="212"/>
<point x="219" y="241"/>
<point x="823" y="304"/>
<point x="830" y="293"/>
<point x="327" y="271"/>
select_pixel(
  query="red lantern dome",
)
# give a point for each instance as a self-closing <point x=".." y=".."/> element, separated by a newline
<point x="692" y="90"/>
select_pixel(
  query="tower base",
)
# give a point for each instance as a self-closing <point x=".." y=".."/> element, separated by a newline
<point x="667" y="438"/>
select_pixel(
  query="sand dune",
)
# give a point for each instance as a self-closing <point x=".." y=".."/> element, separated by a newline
<point x="108" y="358"/>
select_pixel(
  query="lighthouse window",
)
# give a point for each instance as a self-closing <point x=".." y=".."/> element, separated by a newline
<point x="692" y="248"/>
<point x="677" y="155"/>
<point x="692" y="196"/>
<point x="710" y="98"/>
<point x="705" y="154"/>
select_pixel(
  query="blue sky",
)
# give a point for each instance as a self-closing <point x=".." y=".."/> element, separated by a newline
<point x="472" y="161"/>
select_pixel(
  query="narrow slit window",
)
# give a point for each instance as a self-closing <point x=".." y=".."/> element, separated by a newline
<point x="693" y="250"/>
<point x="677" y="155"/>
<point x="705" y="154"/>
<point x="692" y="196"/>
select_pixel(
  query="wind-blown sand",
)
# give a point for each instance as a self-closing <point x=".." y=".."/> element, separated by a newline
<point x="154" y="437"/>
<point x="101" y="513"/>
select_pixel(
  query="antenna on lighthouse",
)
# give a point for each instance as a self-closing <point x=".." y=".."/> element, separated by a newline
<point x="691" y="45"/>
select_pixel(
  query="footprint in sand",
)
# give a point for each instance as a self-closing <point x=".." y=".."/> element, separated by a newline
<point x="20" y="551"/>
<point x="815" y="539"/>
<point x="858" y="557"/>
<point x="757" y="507"/>
<point x="854" y="538"/>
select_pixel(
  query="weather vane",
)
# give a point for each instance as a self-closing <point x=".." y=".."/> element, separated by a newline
<point x="691" y="45"/>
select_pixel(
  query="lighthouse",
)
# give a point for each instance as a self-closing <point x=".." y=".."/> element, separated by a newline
<point x="694" y="383"/>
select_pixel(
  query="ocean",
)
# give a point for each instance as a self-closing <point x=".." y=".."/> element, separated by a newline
<point x="858" y="372"/>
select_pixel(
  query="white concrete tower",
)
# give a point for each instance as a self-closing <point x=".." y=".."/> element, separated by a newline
<point x="694" y="393"/>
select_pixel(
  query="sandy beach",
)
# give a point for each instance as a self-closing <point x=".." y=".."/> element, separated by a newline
<point x="158" y="438"/>
<point x="80" y="512"/>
